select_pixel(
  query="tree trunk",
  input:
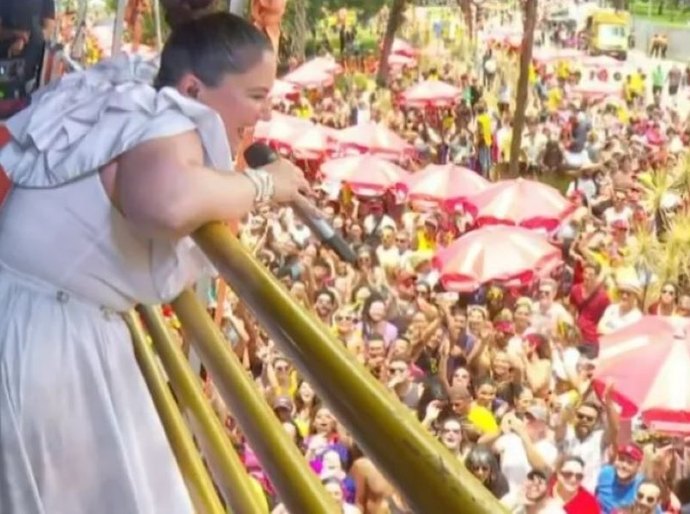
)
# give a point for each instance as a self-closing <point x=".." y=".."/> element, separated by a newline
<point x="530" y="21"/>
<point x="299" y="37"/>
<point x="466" y="9"/>
<point x="394" y="21"/>
<point x="660" y="12"/>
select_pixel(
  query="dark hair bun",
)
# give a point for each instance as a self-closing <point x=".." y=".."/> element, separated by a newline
<point x="181" y="11"/>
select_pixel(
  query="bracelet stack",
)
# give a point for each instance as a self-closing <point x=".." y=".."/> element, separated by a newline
<point x="263" y="184"/>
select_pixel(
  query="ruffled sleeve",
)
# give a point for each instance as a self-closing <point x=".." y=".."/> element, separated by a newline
<point x="86" y="119"/>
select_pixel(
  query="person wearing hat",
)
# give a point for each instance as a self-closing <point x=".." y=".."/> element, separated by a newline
<point x="533" y="496"/>
<point x="525" y="444"/>
<point x="478" y="422"/>
<point x="283" y="407"/>
<point x="625" y="311"/>
<point x="618" y="483"/>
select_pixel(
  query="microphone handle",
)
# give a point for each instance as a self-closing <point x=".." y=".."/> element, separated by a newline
<point x="326" y="234"/>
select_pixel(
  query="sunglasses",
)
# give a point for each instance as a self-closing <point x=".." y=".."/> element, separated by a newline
<point x="585" y="417"/>
<point x="649" y="500"/>
<point x="396" y="370"/>
<point x="668" y="291"/>
<point x="569" y="475"/>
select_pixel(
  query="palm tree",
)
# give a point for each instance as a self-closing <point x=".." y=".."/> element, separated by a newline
<point x="530" y="21"/>
<point x="394" y="21"/>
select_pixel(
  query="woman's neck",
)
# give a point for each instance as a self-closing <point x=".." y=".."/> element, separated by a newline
<point x="666" y="309"/>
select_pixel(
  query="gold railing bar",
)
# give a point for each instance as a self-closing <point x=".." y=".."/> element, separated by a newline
<point x="298" y="486"/>
<point x="431" y="478"/>
<point x="225" y="465"/>
<point x="199" y="484"/>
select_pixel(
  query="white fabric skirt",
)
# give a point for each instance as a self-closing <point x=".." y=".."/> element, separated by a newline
<point x="79" y="433"/>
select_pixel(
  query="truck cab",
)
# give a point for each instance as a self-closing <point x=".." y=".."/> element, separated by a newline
<point x="608" y="33"/>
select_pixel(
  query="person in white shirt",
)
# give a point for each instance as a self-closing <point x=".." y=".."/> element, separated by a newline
<point x="623" y="313"/>
<point x="376" y="221"/>
<point x="546" y="312"/>
<point x="619" y="210"/>
<point x="525" y="445"/>
<point x="590" y="434"/>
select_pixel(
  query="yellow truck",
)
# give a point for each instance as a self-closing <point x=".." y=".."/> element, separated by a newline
<point x="608" y="33"/>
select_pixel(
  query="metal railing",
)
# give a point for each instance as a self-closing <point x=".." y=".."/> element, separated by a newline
<point x="430" y="478"/>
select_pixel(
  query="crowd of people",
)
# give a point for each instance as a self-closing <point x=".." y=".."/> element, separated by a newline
<point x="502" y="376"/>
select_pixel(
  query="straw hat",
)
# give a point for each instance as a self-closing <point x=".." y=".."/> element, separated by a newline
<point x="631" y="285"/>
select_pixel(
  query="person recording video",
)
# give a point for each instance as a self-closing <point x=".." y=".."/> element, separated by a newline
<point x="25" y="26"/>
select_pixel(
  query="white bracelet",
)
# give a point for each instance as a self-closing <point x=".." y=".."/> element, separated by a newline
<point x="263" y="184"/>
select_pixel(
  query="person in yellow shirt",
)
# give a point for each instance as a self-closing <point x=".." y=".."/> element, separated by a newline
<point x="563" y="70"/>
<point x="484" y="138"/>
<point x="637" y="85"/>
<point x="426" y="237"/>
<point x="554" y="98"/>
<point x="479" y="422"/>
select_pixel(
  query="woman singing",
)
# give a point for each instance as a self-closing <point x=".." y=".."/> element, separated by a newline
<point x="111" y="175"/>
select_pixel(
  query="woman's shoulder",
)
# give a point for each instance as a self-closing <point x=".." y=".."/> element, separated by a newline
<point x="87" y="119"/>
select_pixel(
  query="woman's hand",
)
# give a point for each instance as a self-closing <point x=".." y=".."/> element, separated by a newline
<point x="288" y="181"/>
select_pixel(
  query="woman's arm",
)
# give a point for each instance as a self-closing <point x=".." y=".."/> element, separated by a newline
<point x="162" y="186"/>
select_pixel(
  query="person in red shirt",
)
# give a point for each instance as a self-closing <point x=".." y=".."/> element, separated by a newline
<point x="566" y="488"/>
<point x="589" y="300"/>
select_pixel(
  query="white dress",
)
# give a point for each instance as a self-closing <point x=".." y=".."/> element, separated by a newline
<point x="79" y="433"/>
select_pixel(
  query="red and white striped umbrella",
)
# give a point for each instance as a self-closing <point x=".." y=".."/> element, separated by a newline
<point x="281" y="129"/>
<point x="601" y="61"/>
<point x="368" y="173"/>
<point x="597" y="89"/>
<point x="397" y="61"/>
<point x="402" y="47"/>
<point x="431" y="92"/>
<point x="282" y="89"/>
<point x="446" y="185"/>
<point x="313" y="143"/>
<point x="503" y="254"/>
<point x="325" y="64"/>
<point x="309" y="78"/>
<point x="548" y="55"/>
<point x="649" y="364"/>
<point x="526" y="203"/>
<point x="302" y="138"/>
<point x="374" y="138"/>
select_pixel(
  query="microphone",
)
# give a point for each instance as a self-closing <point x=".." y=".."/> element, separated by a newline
<point x="259" y="154"/>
